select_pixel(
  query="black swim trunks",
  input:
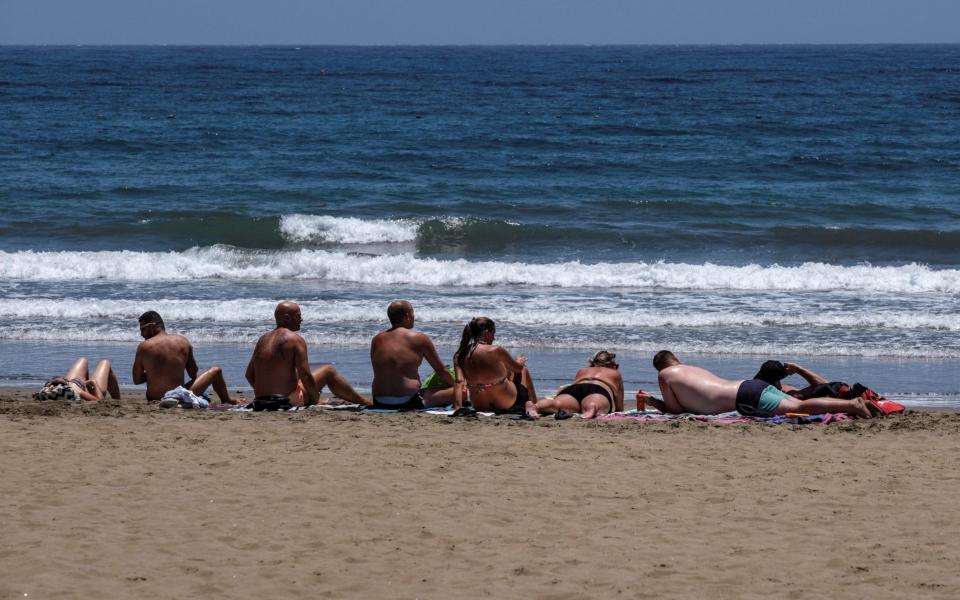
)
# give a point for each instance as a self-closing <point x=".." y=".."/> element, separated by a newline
<point x="271" y="403"/>
<point x="581" y="390"/>
<point x="757" y="398"/>
<point x="414" y="403"/>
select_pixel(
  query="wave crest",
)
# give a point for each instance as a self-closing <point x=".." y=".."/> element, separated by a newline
<point x="225" y="262"/>
<point x="300" y="229"/>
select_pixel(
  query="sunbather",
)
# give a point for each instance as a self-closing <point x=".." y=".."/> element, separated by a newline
<point x="279" y="370"/>
<point x="596" y="390"/>
<point x="78" y="385"/>
<point x="163" y="357"/>
<point x="396" y="355"/>
<point x="496" y="381"/>
<point x="689" y="389"/>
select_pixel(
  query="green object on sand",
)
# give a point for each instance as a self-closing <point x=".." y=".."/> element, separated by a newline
<point x="434" y="380"/>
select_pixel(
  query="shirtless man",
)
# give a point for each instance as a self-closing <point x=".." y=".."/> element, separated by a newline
<point x="497" y="382"/>
<point x="280" y="372"/>
<point x="688" y="389"/>
<point x="162" y="358"/>
<point x="596" y="390"/>
<point x="396" y="355"/>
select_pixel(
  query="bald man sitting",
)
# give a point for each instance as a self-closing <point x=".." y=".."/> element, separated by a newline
<point x="279" y="370"/>
<point x="689" y="389"/>
<point x="396" y="355"/>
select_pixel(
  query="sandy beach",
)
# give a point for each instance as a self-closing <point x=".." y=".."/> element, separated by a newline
<point x="125" y="500"/>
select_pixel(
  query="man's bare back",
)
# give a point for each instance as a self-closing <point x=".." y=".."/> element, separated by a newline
<point x="278" y="358"/>
<point x="689" y="389"/>
<point x="280" y="362"/>
<point x="162" y="361"/>
<point x="695" y="390"/>
<point x="396" y="356"/>
<point x="162" y="358"/>
<point x="397" y="353"/>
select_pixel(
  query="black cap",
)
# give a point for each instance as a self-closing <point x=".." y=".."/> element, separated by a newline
<point x="772" y="372"/>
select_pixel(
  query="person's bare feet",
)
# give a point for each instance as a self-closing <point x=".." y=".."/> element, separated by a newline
<point x="657" y="404"/>
<point x="861" y="409"/>
<point x="531" y="409"/>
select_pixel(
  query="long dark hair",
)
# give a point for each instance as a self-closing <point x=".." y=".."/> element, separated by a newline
<point x="468" y="342"/>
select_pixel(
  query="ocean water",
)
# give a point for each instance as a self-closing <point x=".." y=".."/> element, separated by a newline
<point x="730" y="203"/>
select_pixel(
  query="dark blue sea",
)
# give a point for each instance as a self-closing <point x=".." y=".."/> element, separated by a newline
<point x="732" y="203"/>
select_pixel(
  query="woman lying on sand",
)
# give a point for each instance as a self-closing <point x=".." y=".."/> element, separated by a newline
<point x="596" y="390"/>
<point x="497" y="382"/>
<point x="78" y="385"/>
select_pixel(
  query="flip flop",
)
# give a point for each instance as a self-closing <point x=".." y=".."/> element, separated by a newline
<point x="562" y="414"/>
<point x="873" y="407"/>
<point x="465" y="411"/>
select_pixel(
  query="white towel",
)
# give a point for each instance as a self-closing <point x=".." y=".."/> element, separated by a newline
<point x="184" y="397"/>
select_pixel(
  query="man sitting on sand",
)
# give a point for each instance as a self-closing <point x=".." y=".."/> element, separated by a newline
<point x="163" y="357"/>
<point x="596" y="390"/>
<point x="689" y="389"/>
<point x="279" y="370"/>
<point x="396" y="355"/>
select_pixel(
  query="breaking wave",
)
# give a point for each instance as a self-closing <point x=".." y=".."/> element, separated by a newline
<point x="230" y="263"/>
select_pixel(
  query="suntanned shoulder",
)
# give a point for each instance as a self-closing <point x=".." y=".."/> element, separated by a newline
<point x="420" y="339"/>
<point x="166" y="340"/>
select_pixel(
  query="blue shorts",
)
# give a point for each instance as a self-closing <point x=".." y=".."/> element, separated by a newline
<point x="757" y="398"/>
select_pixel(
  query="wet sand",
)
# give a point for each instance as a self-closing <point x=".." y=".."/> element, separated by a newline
<point x="125" y="500"/>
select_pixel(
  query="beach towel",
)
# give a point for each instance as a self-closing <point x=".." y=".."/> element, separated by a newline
<point x="440" y="411"/>
<point x="729" y="418"/>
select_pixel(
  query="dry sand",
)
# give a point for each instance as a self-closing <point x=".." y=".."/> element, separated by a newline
<point x="125" y="500"/>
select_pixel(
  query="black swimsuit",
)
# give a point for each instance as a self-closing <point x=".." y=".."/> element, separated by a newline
<point x="271" y="403"/>
<point x="414" y="403"/>
<point x="520" y="404"/>
<point x="581" y="390"/>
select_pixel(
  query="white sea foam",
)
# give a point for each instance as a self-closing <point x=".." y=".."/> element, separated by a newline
<point x="320" y="338"/>
<point x="300" y="228"/>
<point x="537" y="312"/>
<point x="245" y="310"/>
<point x="224" y="262"/>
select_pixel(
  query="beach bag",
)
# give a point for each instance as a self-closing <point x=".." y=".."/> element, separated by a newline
<point x="886" y="406"/>
<point x="434" y="380"/>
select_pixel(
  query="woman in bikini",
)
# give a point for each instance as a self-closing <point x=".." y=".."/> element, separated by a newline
<point x="596" y="390"/>
<point x="78" y="385"/>
<point x="496" y="381"/>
